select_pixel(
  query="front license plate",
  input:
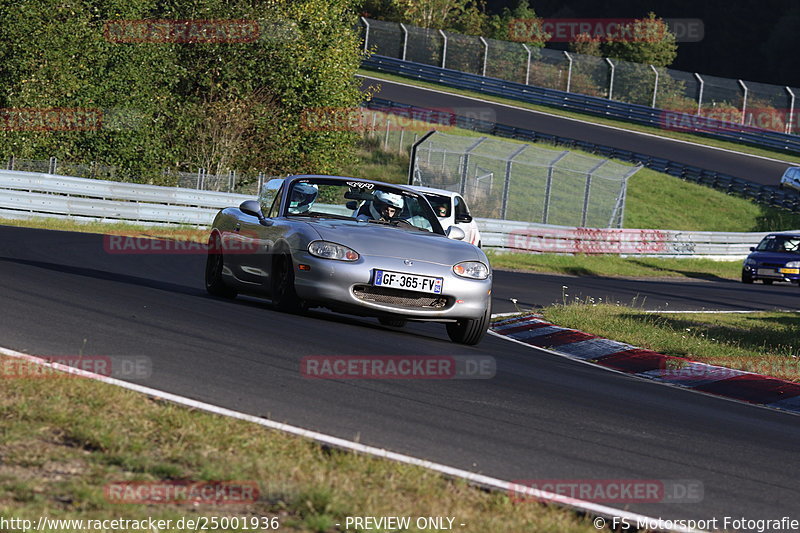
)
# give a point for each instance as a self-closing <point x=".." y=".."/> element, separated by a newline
<point x="767" y="272"/>
<point x="409" y="282"/>
<point x="790" y="271"/>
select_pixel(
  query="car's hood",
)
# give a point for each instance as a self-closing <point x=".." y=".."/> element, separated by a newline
<point x="370" y="239"/>
<point x="774" y="257"/>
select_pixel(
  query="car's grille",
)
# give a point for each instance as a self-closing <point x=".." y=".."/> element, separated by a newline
<point x="773" y="265"/>
<point x="399" y="297"/>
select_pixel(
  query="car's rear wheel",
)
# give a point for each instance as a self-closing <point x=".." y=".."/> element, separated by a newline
<point x="215" y="262"/>
<point x="393" y="322"/>
<point x="470" y="332"/>
<point x="767" y="281"/>
<point x="284" y="297"/>
<point x="746" y="277"/>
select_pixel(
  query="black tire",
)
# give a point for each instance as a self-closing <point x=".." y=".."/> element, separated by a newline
<point x="215" y="285"/>
<point x="766" y="281"/>
<point x="470" y="332"/>
<point x="284" y="297"/>
<point x="746" y="277"/>
<point x="393" y="322"/>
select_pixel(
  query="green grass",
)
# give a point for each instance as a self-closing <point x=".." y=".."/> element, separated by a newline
<point x="699" y="139"/>
<point x="756" y="342"/>
<point x="654" y="200"/>
<point x="179" y="232"/>
<point x="615" y="266"/>
<point x="63" y="440"/>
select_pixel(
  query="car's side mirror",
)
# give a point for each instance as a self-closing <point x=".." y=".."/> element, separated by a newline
<point x="454" y="232"/>
<point x="752" y="249"/>
<point x="352" y="205"/>
<point x="252" y="208"/>
<point x="464" y="218"/>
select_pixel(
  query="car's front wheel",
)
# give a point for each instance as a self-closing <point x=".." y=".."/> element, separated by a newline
<point x="215" y="285"/>
<point x="284" y="297"/>
<point x="746" y="277"/>
<point x="470" y="331"/>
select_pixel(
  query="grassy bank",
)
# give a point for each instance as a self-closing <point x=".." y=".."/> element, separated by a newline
<point x="63" y="440"/>
<point x="612" y="265"/>
<point x="756" y="342"/>
<point x="699" y="139"/>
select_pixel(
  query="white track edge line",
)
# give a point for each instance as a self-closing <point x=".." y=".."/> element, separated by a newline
<point x="618" y="128"/>
<point x="337" y="442"/>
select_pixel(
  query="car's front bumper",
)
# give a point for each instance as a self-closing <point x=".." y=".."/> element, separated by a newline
<point x="341" y="284"/>
<point x="772" y="272"/>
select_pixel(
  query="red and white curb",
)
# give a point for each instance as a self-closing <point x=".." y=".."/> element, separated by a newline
<point x="716" y="380"/>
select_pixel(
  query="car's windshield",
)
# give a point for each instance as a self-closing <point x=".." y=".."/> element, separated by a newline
<point x="440" y="204"/>
<point x="780" y="243"/>
<point x="360" y="200"/>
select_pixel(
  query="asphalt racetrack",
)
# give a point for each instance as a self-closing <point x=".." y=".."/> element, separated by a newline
<point x="540" y="417"/>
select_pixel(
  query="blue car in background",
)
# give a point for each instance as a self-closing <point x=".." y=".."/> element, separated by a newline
<point x="776" y="258"/>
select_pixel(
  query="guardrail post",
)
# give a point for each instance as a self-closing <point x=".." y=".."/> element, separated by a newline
<point x="790" y="121"/>
<point x="744" y="100"/>
<point x="52" y="166"/>
<point x="400" y="144"/>
<point x="405" y="40"/>
<point x="587" y="191"/>
<point x="366" y="35"/>
<point x="569" y="72"/>
<point x="485" y="57"/>
<point x="465" y="167"/>
<point x="412" y="161"/>
<point x="528" y="67"/>
<point x="507" y="182"/>
<point x="611" y="80"/>
<point x="655" y="85"/>
<point x="700" y="93"/>
<point x="11" y="161"/>
<point x="444" y="48"/>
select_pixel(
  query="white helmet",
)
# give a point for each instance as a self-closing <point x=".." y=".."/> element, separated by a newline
<point x="302" y="197"/>
<point x="383" y="200"/>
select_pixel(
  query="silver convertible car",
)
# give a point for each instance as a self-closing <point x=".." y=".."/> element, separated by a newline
<point x="354" y="246"/>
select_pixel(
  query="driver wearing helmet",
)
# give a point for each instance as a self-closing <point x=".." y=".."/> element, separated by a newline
<point x="384" y="206"/>
<point x="303" y="197"/>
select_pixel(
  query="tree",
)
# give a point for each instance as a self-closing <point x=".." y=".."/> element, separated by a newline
<point x="646" y="41"/>
<point x="520" y="24"/>
<point x="587" y="45"/>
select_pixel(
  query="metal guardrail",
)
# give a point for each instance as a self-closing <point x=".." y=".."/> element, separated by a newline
<point x="592" y="105"/>
<point x="764" y="194"/>
<point x="541" y="238"/>
<point x="31" y="194"/>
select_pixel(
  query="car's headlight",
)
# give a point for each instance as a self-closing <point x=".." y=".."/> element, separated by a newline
<point x="472" y="270"/>
<point x="793" y="264"/>
<point x="331" y="250"/>
<point x="750" y="262"/>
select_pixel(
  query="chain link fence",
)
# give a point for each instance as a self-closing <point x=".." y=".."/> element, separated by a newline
<point x="749" y="103"/>
<point x="516" y="181"/>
